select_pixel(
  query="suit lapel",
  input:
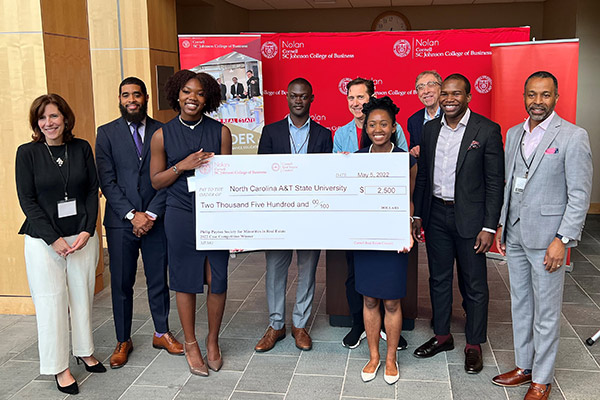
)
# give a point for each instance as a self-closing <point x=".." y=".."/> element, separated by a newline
<point x="312" y="137"/>
<point x="148" y="129"/>
<point x="127" y="139"/>
<point x="470" y="134"/>
<point x="548" y="137"/>
<point x="512" y="149"/>
<point x="287" y="148"/>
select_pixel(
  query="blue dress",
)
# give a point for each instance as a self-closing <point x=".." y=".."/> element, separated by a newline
<point x="381" y="274"/>
<point x="186" y="264"/>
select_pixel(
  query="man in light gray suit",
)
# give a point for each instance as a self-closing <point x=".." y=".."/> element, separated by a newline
<point x="546" y="198"/>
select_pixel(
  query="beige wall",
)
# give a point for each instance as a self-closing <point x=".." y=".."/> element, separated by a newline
<point x="39" y="54"/>
<point x="129" y="38"/>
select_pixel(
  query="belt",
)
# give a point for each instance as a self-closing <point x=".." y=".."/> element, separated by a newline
<point x="444" y="202"/>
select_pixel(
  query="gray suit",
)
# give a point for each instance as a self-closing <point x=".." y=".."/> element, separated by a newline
<point x="555" y="199"/>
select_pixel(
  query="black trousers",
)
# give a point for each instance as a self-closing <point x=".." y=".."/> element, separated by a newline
<point x="124" y="249"/>
<point x="444" y="246"/>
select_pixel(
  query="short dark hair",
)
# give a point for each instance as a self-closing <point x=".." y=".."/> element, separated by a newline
<point x="542" y="74"/>
<point x="433" y="72"/>
<point x="460" y="77"/>
<point x="385" y="104"/>
<point x="300" y="81"/>
<point x="37" y="110"/>
<point x="250" y="71"/>
<point x="362" y="81"/>
<point x="132" y="80"/>
<point x="211" y="88"/>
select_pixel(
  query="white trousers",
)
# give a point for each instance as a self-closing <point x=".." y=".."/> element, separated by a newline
<point x="58" y="286"/>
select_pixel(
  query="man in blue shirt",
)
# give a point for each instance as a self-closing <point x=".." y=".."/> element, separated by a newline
<point x="347" y="137"/>
<point x="295" y="134"/>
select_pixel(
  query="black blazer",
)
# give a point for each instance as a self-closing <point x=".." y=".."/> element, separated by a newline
<point x="237" y="89"/>
<point x="124" y="179"/>
<point x="415" y="127"/>
<point x="478" y="191"/>
<point x="275" y="139"/>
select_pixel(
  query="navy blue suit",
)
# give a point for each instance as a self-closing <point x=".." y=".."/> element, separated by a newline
<point x="273" y="141"/>
<point x="125" y="182"/>
<point x="415" y="127"/>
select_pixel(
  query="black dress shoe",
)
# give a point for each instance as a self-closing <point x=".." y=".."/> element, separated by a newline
<point x="71" y="389"/>
<point x="432" y="347"/>
<point x="473" y="361"/>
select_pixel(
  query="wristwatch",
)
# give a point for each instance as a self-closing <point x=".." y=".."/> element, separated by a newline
<point x="562" y="238"/>
<point x="130" y="215"/>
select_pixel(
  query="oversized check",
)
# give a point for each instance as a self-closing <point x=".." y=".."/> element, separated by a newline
<point x="303" y="201"/>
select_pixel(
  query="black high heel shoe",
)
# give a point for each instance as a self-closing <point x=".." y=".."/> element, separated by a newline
<point x="71" y="389"/>
<point x="91" y="368"/>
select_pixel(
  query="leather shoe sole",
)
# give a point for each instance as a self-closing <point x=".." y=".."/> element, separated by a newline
<point x="432" y="347"/>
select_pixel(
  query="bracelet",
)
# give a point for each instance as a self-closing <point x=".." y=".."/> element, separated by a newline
<point x="175" y="169"/>
<point x="412" y="220"/>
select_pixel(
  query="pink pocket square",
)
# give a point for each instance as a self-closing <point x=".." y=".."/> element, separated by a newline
<point x="474" y="145"/>
<point x="552" y="150"/>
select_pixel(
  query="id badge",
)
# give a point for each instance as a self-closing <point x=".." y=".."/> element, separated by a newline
<point x="67" y="208"/>
<point x="520" y="184"/>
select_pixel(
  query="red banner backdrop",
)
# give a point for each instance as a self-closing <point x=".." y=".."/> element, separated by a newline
<point x="512" y="63"/>
<point x="391" y="59"/>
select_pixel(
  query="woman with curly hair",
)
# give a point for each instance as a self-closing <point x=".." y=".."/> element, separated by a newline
<point x="185" y="143"/>
<point x="381" y="275"/>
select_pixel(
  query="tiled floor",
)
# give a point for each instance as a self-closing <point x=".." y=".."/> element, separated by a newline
<point x="329" y="371"/>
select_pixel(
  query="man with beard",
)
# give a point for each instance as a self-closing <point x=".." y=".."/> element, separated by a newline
<point x="457" y="200"/>
<point x="133" y="218"/>
<point x="428" y="85"/>
<point x="295" y="134"/>
<point x="546" y="198"/>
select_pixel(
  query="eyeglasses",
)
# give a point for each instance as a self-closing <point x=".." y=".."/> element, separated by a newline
<point x="421" y="86"/>
<point x="294" y="96"/>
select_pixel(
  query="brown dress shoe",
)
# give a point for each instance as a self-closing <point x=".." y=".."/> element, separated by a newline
<point x="516" y="377"/>
<point x="269" y="339"/>
<point x="121" y="354"/>
<point x="537" y="391"/>
<point x="303" y="340"/>
<point x="168" y="342"/>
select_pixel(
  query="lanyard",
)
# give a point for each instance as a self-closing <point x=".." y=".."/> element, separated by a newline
<point x="62" y="177"/>
<point x="296" y="151"/>
<point x="523" y="156"/>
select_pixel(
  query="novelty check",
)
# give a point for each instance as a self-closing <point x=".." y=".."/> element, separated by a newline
<point x="305" y="201"/>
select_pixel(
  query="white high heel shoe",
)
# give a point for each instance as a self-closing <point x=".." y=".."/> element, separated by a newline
<point x="366" y="376"/>
<point x="391" y="379"/>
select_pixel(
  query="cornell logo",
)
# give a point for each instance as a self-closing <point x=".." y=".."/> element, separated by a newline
<point x="205" y="168"/>
<point x="483" y="84"/>
<point x="402" y="48"/>
<point x="342" y="86"/>
<point x="269" y="49"/>
<point x="185" y="44"/>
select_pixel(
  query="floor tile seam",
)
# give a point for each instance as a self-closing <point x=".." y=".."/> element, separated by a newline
<point x="345" y="375"/>
<point x="596" y="371"/>
<point x="13" y="396"/>
<point x="367" y="398"/>
<point x="274" y="355"/>
<point x="588" y="351"/>
<point x="253" y="392"/>
<point x="243" y="301"/>
<point x="241" y="375"/>
<point x="593" y="238"/>
<point x="287" y="391"/>
<point x="449" y="378"/>
<point x="322" y="375"/>
<point x="182" y="386"/>
<point x="141" y="373"/>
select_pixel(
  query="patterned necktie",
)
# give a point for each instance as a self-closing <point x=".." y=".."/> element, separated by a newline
<point x="137" y="139"/>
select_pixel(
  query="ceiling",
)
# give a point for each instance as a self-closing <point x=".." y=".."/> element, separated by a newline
<point x="298" y="4"/>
